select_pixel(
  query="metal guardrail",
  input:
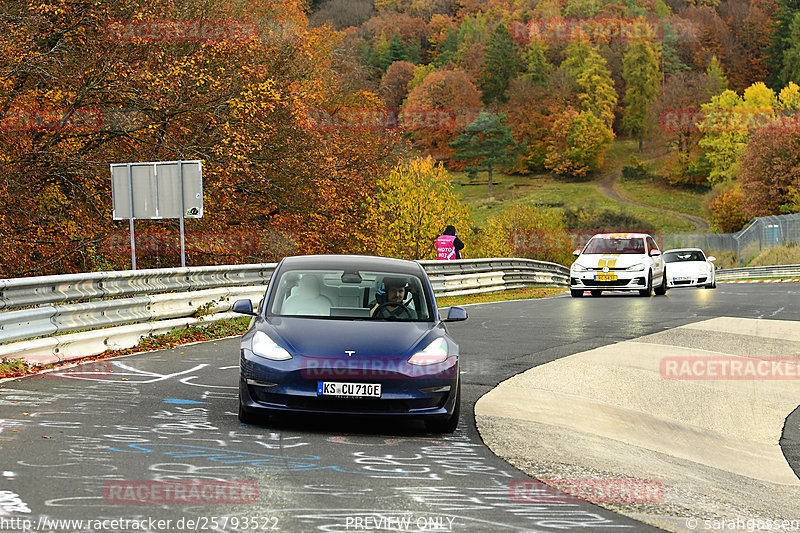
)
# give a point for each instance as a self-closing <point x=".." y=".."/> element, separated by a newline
<point x="759" y="272"/>
<point x="116" y="309"/>
<point x="22" y="292"/>
<point x="473" y="276"/>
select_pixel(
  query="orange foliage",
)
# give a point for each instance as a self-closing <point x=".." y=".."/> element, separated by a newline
<point x="438" y="110"/>
<point x="239" y="98"/>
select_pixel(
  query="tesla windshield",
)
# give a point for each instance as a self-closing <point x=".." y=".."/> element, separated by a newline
<point x="341" y="294"/>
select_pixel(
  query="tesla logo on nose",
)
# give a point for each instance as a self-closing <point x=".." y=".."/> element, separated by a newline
<point x="349" y="352"/>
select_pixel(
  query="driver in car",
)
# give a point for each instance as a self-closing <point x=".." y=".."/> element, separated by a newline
<point x="393" y="307"/>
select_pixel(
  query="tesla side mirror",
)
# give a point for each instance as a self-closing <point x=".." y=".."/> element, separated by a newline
<point x="655" y="253"/>
<point x="576" y="253"/>
<point x="244" y="307"/>
<point x="712" y="258"/>
<point x="456" y="314"/>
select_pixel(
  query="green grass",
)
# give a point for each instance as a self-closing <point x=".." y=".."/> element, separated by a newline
<point x="516" y="294"/>
<point x="777" y="255"/>
<point x="545" y="190"/>
<point x="653" y="191"/>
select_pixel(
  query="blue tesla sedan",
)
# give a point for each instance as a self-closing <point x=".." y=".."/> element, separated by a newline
<point x="350" y="334"/>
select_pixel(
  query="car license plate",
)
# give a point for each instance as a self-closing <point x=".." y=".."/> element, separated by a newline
<point x="682" y="278"/>
<point x="605" y="277"/>
<point x="353" y="390"/>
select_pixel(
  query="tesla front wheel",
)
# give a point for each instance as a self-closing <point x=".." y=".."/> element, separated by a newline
<point x="449" y="424"/>
<point x="246" y="416"/>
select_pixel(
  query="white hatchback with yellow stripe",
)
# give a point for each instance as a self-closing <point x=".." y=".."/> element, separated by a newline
<point x="618" y="262"/>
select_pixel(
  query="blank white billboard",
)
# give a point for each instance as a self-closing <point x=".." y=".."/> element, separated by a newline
<point x="156" y="191"/>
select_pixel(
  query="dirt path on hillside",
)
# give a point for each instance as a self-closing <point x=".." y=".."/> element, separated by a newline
<point x="607" y="186"/>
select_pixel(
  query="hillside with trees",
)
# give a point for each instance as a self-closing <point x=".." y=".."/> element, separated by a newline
<point x="700" y="78"/>
<point x="309" y="116"/>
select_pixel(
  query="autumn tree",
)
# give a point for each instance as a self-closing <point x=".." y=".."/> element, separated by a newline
<point x="576" y="53"/>
<point x="577" y="144"/>
<point x="438" y="109"/>
<point x="724" y="138"/>
<point x="394" y="84"/>
<point x="748" y="24"/>
<point x="642" y="79"/>
<point x="677" y="113"/>
<point x="770" y="168"/>
<point x="592" y="83"/>
<point x="727" y="211"/>
<point x="414" y="203"/>
<point x="485" y="144"/>
<point x="535" y="64"/>
<point x="715" y="81"/>
<point x="523" y="230"/>
<point x="530" y="112"/>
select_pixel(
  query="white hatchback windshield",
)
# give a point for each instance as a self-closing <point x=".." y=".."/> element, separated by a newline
<point x="605" y="245"/>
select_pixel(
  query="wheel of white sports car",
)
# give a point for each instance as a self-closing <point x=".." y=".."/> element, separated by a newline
<point x="649" y="290"/>
<point x="661" y="290"/>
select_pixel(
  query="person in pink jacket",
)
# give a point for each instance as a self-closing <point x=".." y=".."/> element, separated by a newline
<point x="448" y="245"/>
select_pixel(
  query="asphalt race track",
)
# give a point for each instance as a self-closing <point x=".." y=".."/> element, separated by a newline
<point x="94" y="443"/>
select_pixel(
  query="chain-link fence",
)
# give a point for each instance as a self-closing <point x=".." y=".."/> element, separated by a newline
<point x="760" y="233"/>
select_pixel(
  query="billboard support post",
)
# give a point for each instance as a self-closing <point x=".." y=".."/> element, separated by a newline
<point x="130" y="220"/>
<point x="183" y="212"/>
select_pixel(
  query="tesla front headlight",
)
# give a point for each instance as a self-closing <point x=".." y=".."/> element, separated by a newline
<point x="263" y="346"/>
<point x="435" y="352"/>
<point x="636" y="268"/>
<point x="579" y="268"/>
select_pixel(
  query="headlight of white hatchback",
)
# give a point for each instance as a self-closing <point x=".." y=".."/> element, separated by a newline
<point x="435" y="352"/>
<point x="263" y="346"/>
<point x="579" y="268"/>
<point x="636" y="268"/>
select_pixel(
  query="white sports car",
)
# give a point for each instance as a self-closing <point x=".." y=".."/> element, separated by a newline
<point x="618" y="262"/>
<point x="689" y="267"/>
